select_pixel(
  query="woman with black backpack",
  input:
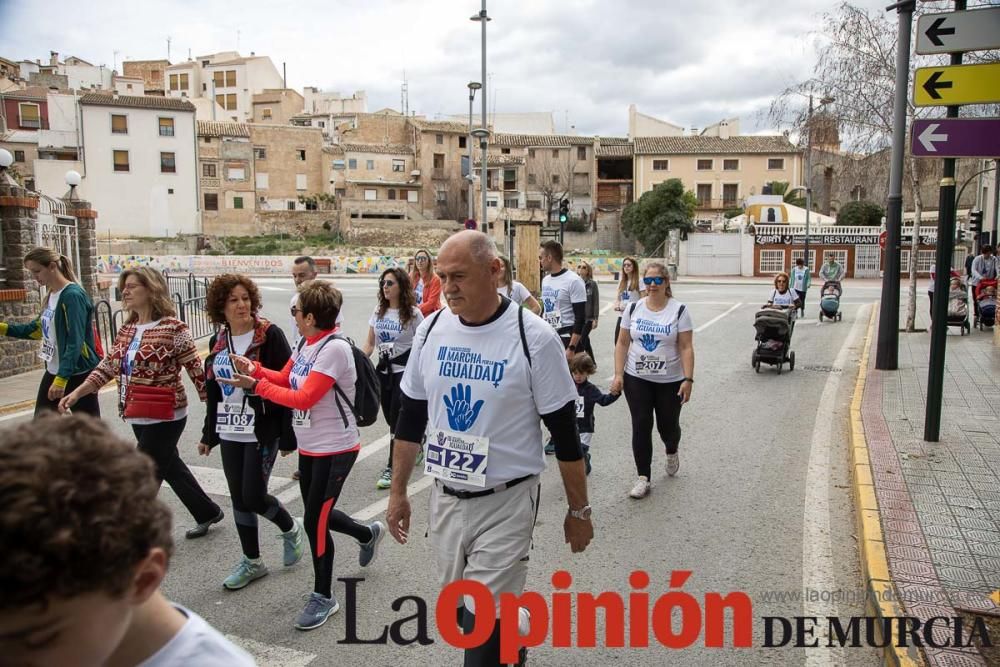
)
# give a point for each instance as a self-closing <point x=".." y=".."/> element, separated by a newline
<point x="390" y="331"/>
<point x="319" y="384"/>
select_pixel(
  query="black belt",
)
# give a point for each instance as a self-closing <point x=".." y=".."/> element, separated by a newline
<point x="466" y="495"/>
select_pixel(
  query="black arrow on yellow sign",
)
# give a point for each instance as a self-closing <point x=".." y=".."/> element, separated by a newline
<point x="933" y="84"/>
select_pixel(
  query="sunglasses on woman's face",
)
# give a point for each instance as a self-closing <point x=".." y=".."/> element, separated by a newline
<point x="295" y="311"/>
<point x="422" y="259"/>
<point x="653" y="280"/>
<point x="386" y="283"/>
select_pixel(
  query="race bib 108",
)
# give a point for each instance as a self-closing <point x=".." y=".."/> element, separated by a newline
<point x="232" y="419"/>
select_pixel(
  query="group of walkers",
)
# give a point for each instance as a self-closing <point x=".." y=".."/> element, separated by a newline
<point x="500" y="363"/>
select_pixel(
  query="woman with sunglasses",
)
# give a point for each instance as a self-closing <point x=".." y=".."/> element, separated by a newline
<point x="390" y="331"/>
<point x="593" y="310"/>
<point x="426" y="284"/>
<point x="654" y="365"/>
<point x="515" y="291"/>
<point x="630" y="290"/>
<point x="782" y="297"/>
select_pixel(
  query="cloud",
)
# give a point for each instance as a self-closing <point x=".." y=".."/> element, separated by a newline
<point x="690" y="63"/>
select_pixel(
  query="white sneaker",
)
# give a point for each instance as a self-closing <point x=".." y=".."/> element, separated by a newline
<point x="641" y="488"/>
<point x="673" y="463"/>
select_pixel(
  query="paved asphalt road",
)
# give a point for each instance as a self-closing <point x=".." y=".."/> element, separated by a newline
<point x="761" y="505"/>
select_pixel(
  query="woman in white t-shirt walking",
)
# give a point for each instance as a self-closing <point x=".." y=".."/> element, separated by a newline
<point x="515" y="291"/>
<point x="782" y="297"/>
<point x="654" y="364"/>
<point x="318" y="384"/>
<point x="390" y="332"/>
<point x="629" y="290"/>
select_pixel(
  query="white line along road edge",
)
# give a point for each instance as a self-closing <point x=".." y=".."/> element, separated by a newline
<point x="817" y="550"/>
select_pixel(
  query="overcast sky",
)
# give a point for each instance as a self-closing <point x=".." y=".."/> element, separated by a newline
<point x="691" y="63"/>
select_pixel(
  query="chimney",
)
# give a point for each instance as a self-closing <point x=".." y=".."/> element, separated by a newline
<point x="724" y="129"/>
<point x="53" y="58"/>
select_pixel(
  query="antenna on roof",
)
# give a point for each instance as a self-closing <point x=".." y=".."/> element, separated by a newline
<point x="404" y="96"/>
<point x="168" y="47"/>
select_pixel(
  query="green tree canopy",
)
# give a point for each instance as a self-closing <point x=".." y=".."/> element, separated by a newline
<point x="860" y="213"/>
<point x="667" y="206"/>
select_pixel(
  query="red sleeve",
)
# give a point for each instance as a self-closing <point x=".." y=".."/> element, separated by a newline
<point x="279" y="378"/>
<point x="315" y="386"/>
<point x="432" y="297"/>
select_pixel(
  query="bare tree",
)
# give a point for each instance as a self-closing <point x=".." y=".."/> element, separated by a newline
<point x="856" y="66"/>
<point x="552" y="177"/>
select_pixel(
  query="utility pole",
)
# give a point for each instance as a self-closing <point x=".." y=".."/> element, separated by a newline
<point x="887" y="344"/>
<point x="483" y="18"/>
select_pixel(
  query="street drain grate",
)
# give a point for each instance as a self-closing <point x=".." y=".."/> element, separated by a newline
<point x="820" y="369"/>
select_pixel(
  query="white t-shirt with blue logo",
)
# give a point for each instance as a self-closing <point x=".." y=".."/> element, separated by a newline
<point x="653" y="354"/>
<point x="231" y="395"/>
<point x="518" y="292"/>
<point x="49" y="352"/>
<point x="321" y="429"/>
<point x="559" y="292"/>
<point x="391" y="337"/>
<point x="483" y="396"/>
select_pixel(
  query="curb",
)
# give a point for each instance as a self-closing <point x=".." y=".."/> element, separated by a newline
<point x="881" y="597"/>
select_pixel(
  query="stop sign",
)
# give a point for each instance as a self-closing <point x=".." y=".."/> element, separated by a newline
<point x="881" y="239"/>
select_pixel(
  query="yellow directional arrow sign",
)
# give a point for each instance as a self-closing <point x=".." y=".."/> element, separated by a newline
<point x="957" y="84"/>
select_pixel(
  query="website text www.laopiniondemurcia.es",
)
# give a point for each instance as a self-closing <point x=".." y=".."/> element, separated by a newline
<point x="635" y="620"/>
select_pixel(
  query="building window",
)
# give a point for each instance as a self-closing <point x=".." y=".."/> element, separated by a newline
<point x="371" y="195"/>
<point x="119" y="124"/>
<point x="208" y="170"/>
<point x="772" y="261"/>
<point x="259" y="153"/>
<point x="238" y="202"/>
<point x="227" y="102"/>
<point x="704" y="193"/>
<point x="184" y="81"/>
<point x="18" y="156"/>
<point x="173" y="82"/>
<point x="462" y="142"/>
<point x="392" y="193"/>
<point x="352" y="163"/>
<point x="311" y="205"/>
<point x="208" y="140"/>
<point x="166" y="127"/>
<point x="439" y="138"/>
<point x="732" y="165"/>
<point x="775" y="163"/>
<point x="398" y="165"/>
<point x="340" y="192"/>
<point x="581" y="152"/>
<point x="531" y="179"/>
<point x="442" y="195"/>
<point x="265" y="113"/>
<point x="168" y="163"/>
<point x="509" y="179"/>
<point x="230" y="78"/>
<point x="120" y="160"/>
<point x="439" y="160"/>
<point x="661" y="165"/>
<point x="338" y="164"/>
<point x="236" y="174"/>
<point x="511" y="203"/>
<point x="300" y="154"/>
<point x="290" y="205"/>
<point x="491" y="203"/>
<point x="730" y="194"/>
<point x="29" y="184"/>
<point x="204" y="88"/>
<point x="555" y="152"/>
<point x="797" y="254"/>
<point x="219" y="77"/>
<point x="534" y="203"/>
<point x="261" y="180"/>
<point x="300" y="182"/>
<point x="370" y="165"/>
<point x="706" y="165"/>
<point x="29" y="115"/>
<point x="413" y="196"/>
<point x="531" y="153"/>
<point x="505" y="151"/>
<point x="555" y="179"/>
<point x="211" y="201"/>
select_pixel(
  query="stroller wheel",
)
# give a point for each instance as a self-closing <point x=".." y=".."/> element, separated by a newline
<point x="840" y="316"/>
<point x="753" y="359"/>
<point x="821" y="316"/>
<point x="756" y="367"/>
<point x="791" y="361"/>
<point x="780" y="364"/>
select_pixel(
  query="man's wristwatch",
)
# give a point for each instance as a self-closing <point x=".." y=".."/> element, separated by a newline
<point x="691" y="380"/>
<point x="583" y="513"/>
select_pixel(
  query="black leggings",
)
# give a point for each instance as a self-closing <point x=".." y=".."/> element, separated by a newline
<point x="584" y="345"/>
<point x="159" y="442"/>
<point x="645" y="399"/>
<point x="618" y="328"/>
<point x="389" y="394"/>
<point x="248" y="467"/>
<point x="88" y="405"/>
<point x="322" y="479"/>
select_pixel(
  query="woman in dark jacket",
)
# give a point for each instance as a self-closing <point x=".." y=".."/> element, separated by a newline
<point x="249" y="429"/>
<point x="593" y="309"/>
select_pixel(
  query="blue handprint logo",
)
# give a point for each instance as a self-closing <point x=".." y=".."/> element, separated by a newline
<point x="223" y="369"/>
<point x="462" y="413"/>
<point x="649" y="342"/>
<point x="550" y="305"/>
<point x="384" y="337"/>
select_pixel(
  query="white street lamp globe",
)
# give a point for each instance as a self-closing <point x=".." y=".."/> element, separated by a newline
<point x="6" y="159"/>
<point x="73" y="178"/>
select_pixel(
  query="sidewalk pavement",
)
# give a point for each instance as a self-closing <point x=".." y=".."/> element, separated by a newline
<point x="929" y="513"/>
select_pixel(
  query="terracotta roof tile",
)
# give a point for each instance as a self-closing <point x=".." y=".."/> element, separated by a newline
<point x="501" y="160"/>
<point x="712" y="145"/>
<point x="440" y="126"/>
<point x="137" y="102"/>
<point x="214" y="128"/>
<point x="539" y="140"/>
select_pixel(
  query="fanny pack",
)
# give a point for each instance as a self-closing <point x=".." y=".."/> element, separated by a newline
<point x="146" y="402"/>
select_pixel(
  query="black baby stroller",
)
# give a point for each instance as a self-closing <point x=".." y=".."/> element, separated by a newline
<point x="774" y="338"/>
<point x="958" y="307"/>
<point x="829" y="301"/>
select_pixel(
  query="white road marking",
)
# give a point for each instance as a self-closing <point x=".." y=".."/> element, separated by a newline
<point x="31" y="411"/>
<point x="817" y="552"/>
<point x="275" y="289"/>
<point x="608" y="306"/>
<point x="272" y="655"/>
<point x="382" y="505"/>
<point x="374" y="447"/>
<point x="716" y="318"/>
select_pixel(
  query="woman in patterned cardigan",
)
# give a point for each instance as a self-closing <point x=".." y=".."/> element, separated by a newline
<point x="149" y="352"/>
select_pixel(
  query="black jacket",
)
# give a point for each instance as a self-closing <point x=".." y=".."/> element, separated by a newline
<point x="593" y="301"/>
<point x="591" y="396"/>
<point x="273" y="422"/>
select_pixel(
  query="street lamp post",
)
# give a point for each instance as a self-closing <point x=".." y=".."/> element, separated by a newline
<point x="473" y="87"/>
<point x="483" y="19"/>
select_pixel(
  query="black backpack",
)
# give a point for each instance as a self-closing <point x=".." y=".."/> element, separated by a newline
<point x="520" y="326"/>
<point x="366" y="388"/>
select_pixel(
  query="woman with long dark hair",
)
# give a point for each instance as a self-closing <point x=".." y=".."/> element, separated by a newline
<point x="390" y="331"/>
<point x="65" y="329"/>
<point x="248" y="429"/>
<point x="629" y="290"/>
<point x="146" y="359"/>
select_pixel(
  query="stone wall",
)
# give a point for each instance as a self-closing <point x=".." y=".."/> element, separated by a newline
<point x="389" y="233"/>
<point x="291" y="222"/>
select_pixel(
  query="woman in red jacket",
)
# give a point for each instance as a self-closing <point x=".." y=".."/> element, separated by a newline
<point x="426" y="284"/>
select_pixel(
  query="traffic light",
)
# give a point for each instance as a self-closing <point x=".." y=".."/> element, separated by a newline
<point x="563" y="211"/>
<point x="961" y="235"/>
<point x="975" y="221"/>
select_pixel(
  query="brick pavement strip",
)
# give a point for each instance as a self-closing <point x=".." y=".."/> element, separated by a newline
<point x="926" y="511"/>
